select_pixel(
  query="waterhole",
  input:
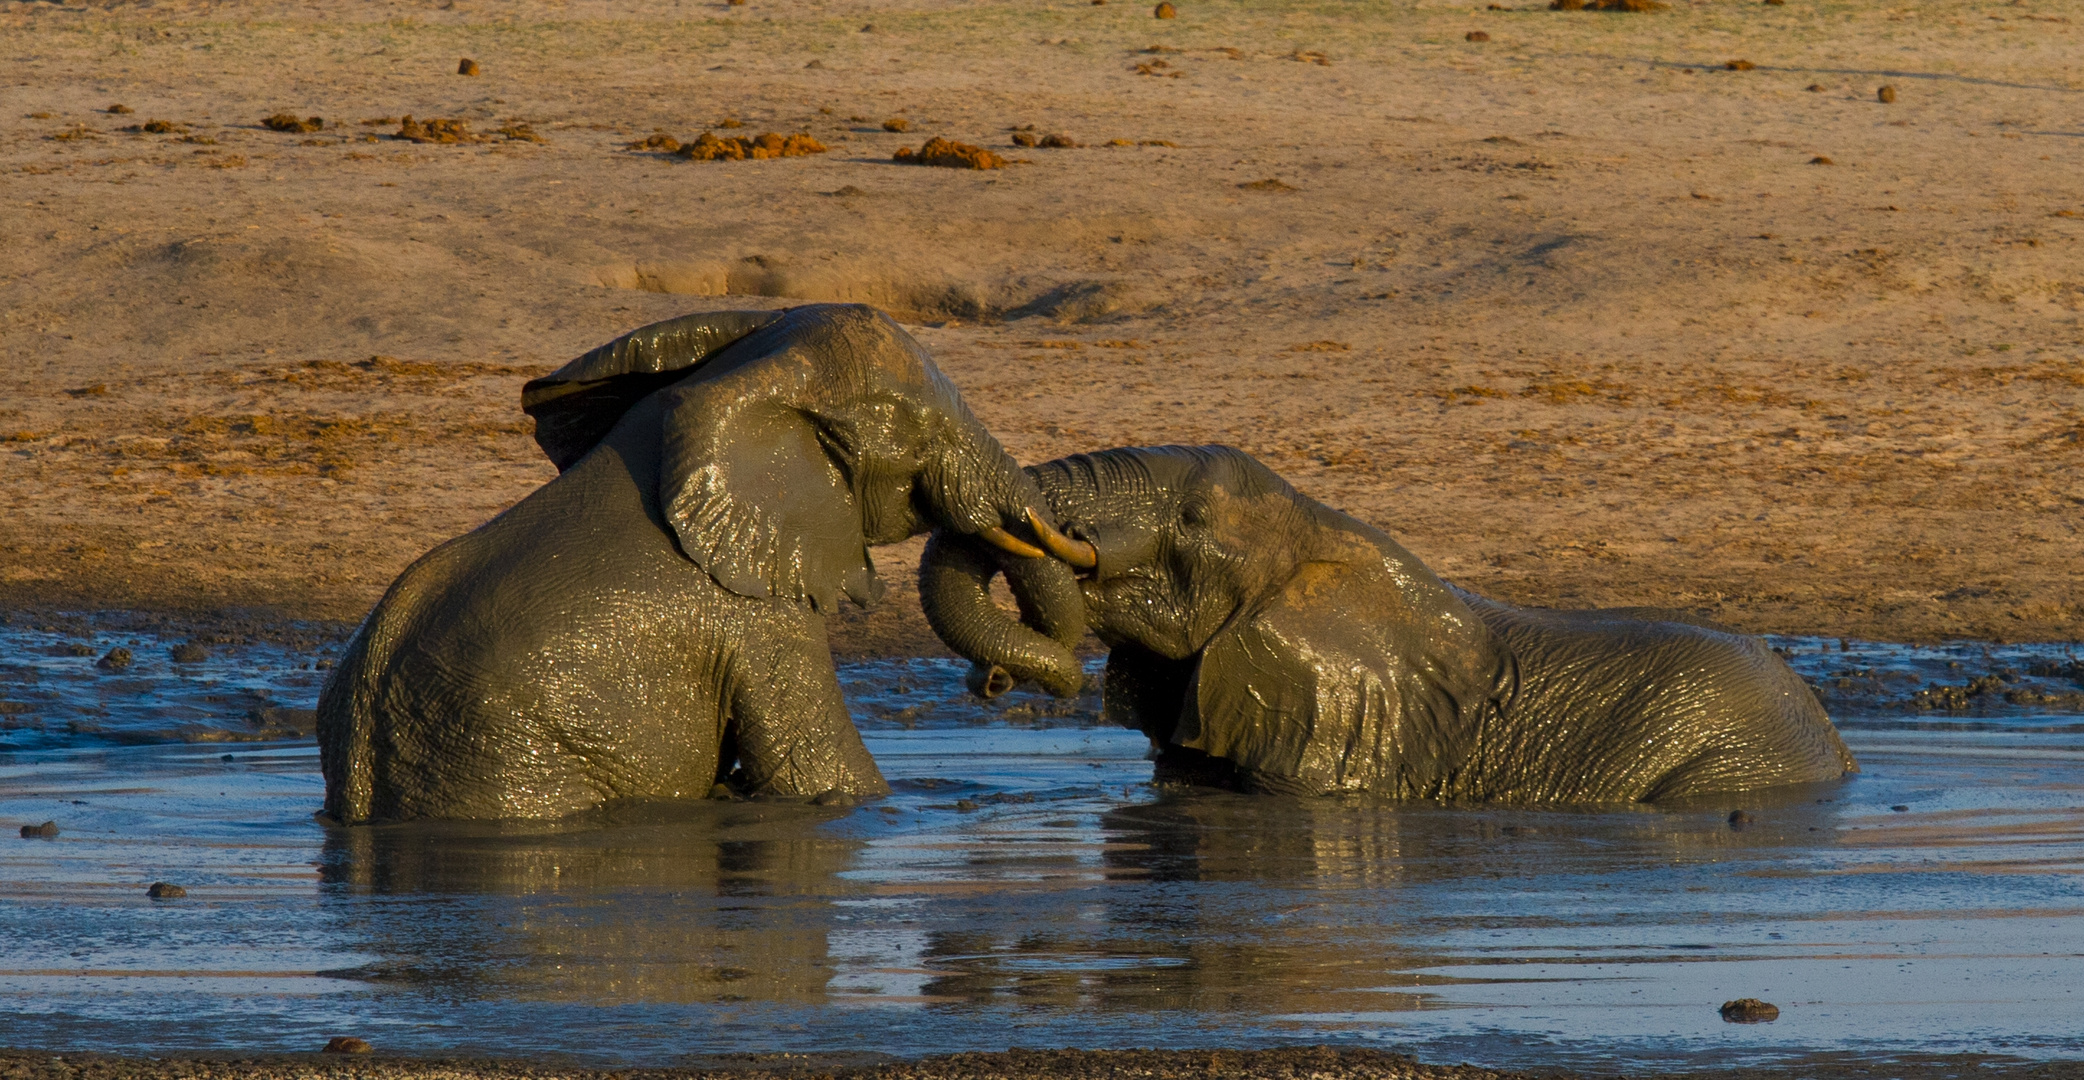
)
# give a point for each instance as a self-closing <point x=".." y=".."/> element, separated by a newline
<point x="1026" y="886"/>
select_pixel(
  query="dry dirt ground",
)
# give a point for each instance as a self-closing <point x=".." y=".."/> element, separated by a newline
<point x="1584" y="314"/>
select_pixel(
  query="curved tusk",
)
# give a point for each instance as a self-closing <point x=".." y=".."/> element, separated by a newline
<point x="1010" y="544"/>
<point x="1078" y="553"/>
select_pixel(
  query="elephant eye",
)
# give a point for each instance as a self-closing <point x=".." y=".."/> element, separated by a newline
<point x="1193" y="513"/>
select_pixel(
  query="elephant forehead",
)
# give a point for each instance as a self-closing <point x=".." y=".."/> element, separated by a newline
<point x="1250" y="518"/>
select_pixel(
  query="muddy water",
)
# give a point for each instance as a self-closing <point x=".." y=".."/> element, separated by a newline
<point x="1025" y="886"/>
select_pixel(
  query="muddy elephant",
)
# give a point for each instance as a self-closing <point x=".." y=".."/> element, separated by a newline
<point x="1266" y="641"/>
<point x="656" y="613"/>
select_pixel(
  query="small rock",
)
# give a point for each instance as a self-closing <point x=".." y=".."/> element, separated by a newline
<point x="1774" y="3"/>
<point x="1816" y="88"/>
<point x="466" y="66"/>
<point x="1900" y="808"/>
<point x="868" y="28"/>
<point x="188" y="652"/>
<point x="1025" y="138"/>
<point x="834" y="797"/>
<point x="1749" y="1011"/>
<point x="723" y="793"/>
<point x="78" y="648"/>
<point x="1739" y="65"/>
<point x="345" y="1044"/>
<point x="1886" y="95"/>
<point x="118" y="110"/>
<point x="965" y="805"/>
<point x="227" y="757"/>
<point x="115" y="659"/>
<point x="1165" y="11"/>
<point x="47" y="829"/>
<point x="1058" y="142"/>
<point x="1738" y="819"/>
<point x="1476" y="35"/>
<point x="897" y="123"/>
<point x="1821" y="160"/>
<point x="160" y="890"/>
<point x="815" y="65"/>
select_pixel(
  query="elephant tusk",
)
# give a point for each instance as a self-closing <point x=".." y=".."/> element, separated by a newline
<point x="1076" y="552"/>
<point x="1011" y="544"/>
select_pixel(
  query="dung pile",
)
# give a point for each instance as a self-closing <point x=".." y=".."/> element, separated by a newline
<point x="285" y="122"/>
<point x="1608" y="5"/>
<point x="436" y="131"/>
<point x="949" y="155"/>
<point x="760" y="147"/>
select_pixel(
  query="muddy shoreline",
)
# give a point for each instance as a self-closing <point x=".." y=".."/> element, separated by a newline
<point x="1310" y="1063"/>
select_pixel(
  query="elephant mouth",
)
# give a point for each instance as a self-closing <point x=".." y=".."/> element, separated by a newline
<point x="1078" y="554"/>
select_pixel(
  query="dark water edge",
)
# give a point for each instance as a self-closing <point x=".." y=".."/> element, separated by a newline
<point x="1026" y="886"/>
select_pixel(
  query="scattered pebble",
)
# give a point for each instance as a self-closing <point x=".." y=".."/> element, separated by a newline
<point x="1739" y="65"/>
<point x="161" y="890"/>
<point x="79" y="648"/>
<point x="1821" y="160"/>
<point x="1268" y="184"/>
<point x="1739" y="818"/>
<point x="723" y="793"/>
<point x="345" y="1044"/>
<point x="188" y="652"/>
<point x="118" y="110"/>
<point x="965" y="805"/>
<point x="1816" y="88"/>
<point x="1749" y="1011"/>
<point x="949" y="154"/>
<point x="1476" y="35"/>
<point x="45" y="830"/>
<point x="1025" y="138"/>
<point x="1886" y="95"/>
<point x="1058" y="142"/>
<point x="115" y="659"/>
<point x="898" y="124"/>
<point x="1165" y="11"/>
<point x="815" y="65"/>
<point x="466" y="66"/>
<point x="287" y="123"/>
<point x="1900" y="808"/>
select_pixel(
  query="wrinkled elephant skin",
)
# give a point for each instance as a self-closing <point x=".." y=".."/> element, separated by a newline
<point x="656" y="614"/>
<point x="1266" y="641"/>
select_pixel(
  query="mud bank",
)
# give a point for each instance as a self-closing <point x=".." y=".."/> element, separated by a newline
<point x="1302" y="1063"/>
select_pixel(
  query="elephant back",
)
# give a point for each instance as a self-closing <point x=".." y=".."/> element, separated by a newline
<point x="1609" y="707"/>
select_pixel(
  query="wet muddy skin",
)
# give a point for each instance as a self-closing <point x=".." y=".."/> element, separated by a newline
<point x="1026" y="886"/>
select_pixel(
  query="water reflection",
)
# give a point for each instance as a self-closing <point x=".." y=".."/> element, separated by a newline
<point x="704" y="902"/>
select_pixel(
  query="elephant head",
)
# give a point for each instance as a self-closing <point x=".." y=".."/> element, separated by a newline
<point x="1251" y="628"/>
<point x="791" y="441"/>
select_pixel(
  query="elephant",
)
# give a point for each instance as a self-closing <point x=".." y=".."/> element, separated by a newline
<point x="656" y="613"/>
<point x="1265" y="641"/>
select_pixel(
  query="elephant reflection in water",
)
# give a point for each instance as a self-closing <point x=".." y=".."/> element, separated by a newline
<point x="1225" y="902"/>
<point x="721" y="902"/>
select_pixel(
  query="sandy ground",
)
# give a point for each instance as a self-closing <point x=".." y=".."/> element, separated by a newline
<point x="1304" y="1063"/>
<point x="1578" y="313"/>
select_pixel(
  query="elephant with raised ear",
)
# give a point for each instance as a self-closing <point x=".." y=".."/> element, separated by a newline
<point x="655" y="615"/>
<point x="1266" y="641"/>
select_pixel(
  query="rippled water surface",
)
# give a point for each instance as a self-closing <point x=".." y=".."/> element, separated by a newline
<point x="1025" y="886"/>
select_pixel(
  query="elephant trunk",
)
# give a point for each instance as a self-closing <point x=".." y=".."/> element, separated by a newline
<point x="984" y="492"/>
<point x="955" y="591"/>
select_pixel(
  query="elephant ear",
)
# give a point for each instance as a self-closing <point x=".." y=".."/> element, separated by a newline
<point x="575" y="406"/>
<point x="1327" y="685"/>
<point x="758" y="493"/>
